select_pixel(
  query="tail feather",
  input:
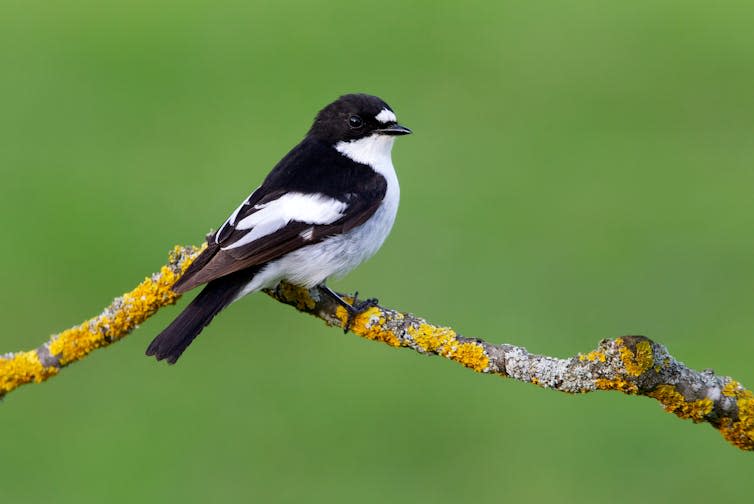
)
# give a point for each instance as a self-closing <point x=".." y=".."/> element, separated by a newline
<point x="176" y="337"/>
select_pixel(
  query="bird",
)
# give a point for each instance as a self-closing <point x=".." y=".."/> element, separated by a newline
<point x="327" y="206"/>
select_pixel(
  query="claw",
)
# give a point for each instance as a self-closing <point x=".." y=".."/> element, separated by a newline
<point x="354" y="309"/>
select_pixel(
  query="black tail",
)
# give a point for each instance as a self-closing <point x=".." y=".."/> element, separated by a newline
<point x="176" y="337"/>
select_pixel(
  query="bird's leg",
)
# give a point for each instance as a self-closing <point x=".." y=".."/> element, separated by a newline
<point x="354" y="310"/>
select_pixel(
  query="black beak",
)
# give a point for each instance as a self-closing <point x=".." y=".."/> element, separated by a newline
<point x="394" y="130"/>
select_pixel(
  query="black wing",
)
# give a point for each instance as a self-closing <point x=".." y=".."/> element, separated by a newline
<point x="339" y="195"/>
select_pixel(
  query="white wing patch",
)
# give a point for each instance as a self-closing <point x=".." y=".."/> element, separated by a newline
<point x="232" y="219"/>
<point x="386" y="116"/>
<point x="276" y="214"/>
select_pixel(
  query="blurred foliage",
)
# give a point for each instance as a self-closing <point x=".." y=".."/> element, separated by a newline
<point x="579" y="170"/>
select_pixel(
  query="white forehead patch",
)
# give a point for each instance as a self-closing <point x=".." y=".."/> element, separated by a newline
<point x="386" y="116"/>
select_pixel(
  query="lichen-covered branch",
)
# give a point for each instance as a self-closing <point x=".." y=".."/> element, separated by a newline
<point x="633" y="365"/>
<point x="123" y="315"/>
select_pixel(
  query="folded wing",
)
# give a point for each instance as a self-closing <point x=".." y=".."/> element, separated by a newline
<point x="272" y="223"/>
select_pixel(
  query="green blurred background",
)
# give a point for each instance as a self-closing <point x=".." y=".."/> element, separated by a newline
<point x="579" y="170"/>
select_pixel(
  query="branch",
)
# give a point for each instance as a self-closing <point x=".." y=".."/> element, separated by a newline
<point x="634" y="365"/>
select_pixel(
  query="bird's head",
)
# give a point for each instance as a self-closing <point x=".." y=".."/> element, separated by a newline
<point x="355" y="116"/>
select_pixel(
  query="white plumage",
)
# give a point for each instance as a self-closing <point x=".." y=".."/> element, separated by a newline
<point x="386" y="116"/>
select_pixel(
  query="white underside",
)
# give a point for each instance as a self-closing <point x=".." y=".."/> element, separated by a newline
<point x="336" y="256"/>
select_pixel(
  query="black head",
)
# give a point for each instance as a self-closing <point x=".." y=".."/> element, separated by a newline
<point x="355" y="116"/>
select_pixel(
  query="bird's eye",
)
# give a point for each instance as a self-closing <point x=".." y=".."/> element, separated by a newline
<point x="355" y="122"/>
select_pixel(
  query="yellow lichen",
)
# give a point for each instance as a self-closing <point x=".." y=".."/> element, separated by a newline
<point x="741" y="432"/>
<point x="616" y="384"/>
<point x="298" y="295"/>
<point x="731" y="388"/>
<point x="594" y="355"/>
<point x="370" y="325"/>
<point x="20" y="368"/>
<point x="638" y="361"/>
<point x="76" y="342"/>
<point x="471" y="355"/>
<point x="443" y="341"/>
<point x="342" y="315"/>
<point x="674" y="402"/>
<point x="430" y="338"/>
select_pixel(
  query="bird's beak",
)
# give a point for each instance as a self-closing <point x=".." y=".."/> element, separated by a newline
<point x="394" y="130"/>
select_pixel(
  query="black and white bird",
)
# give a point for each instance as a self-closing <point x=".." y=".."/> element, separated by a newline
<point x="325" y="208"/>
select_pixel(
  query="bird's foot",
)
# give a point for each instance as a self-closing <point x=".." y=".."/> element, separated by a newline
<point x="353" y="309"/>
<point x="356" y="308"/>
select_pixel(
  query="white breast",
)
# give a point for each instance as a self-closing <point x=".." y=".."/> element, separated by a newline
<point x="374" y="151"/>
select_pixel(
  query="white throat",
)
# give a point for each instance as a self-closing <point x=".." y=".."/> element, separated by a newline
<point x="373" y="151"/>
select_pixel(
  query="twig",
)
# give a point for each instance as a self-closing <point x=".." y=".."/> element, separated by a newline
<point x="633" y="365"/>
